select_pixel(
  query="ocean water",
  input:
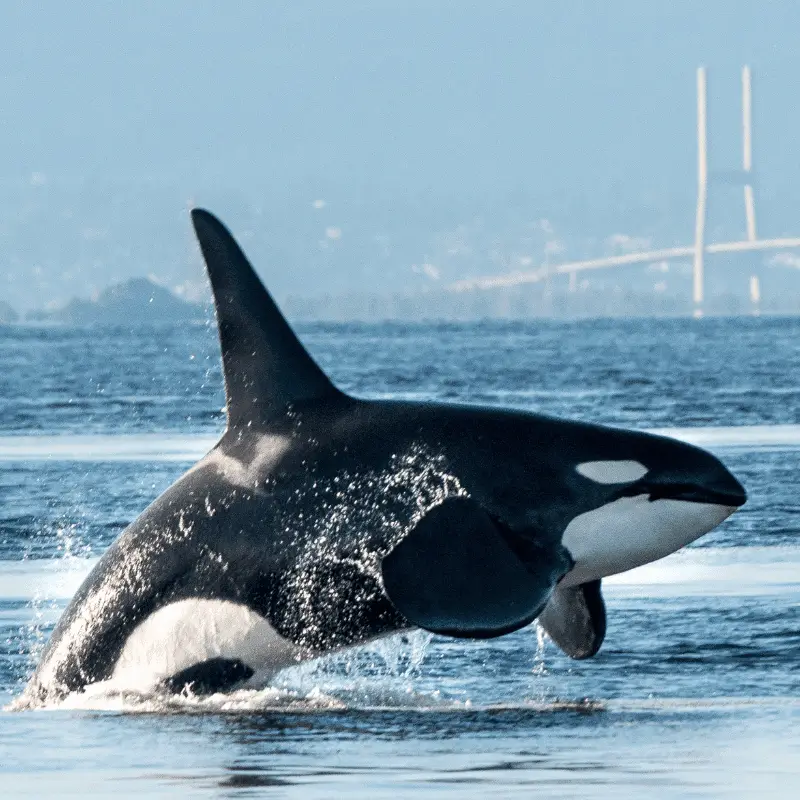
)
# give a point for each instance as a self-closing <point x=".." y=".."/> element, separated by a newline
<point x="696" y="692"/>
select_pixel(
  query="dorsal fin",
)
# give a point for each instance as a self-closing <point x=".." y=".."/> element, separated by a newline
<point x="266" y="368"/>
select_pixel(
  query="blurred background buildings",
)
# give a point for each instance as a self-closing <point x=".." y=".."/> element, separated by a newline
<point x="373" y="155"/>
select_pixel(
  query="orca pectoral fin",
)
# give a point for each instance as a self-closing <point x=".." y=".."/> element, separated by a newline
<point x="575" y="619"/>
<point x="454" y="574"/>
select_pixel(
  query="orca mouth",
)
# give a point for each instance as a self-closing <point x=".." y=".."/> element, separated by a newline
<point x="731" y="496"/>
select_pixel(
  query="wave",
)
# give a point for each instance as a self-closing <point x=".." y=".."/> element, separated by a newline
<point x="188" y="448"/>
<point x="122" y="447"/>
<point x="711" y="572"/>
<point x="42" y="581"/>
<point x="746" y="571"/>
<point x="105" y="696"/>
<point x="744" y="436"/>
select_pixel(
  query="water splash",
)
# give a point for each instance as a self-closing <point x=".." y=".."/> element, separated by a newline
<point x="542" y="684"/>
<point x="385" y="505"/>
<point x="73" y="549"/>
<point x="539" y="667"/>
<point x="383" y="673"/>
<point x="380" y="674"/>
<point x="109" y="696"/>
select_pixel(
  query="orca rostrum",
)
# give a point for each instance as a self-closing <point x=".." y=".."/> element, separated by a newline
<point x="321" y="521"/>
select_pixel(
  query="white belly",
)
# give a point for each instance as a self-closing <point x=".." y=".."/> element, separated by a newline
<point x="189" y="632"/>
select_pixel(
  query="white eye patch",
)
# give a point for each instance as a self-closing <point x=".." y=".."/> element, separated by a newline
<point x="612" y="471"/>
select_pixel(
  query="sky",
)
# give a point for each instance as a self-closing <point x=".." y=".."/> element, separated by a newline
<point x="400" y="115"/>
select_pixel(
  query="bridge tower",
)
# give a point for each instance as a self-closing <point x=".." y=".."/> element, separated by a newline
<point x="698" y="292"/>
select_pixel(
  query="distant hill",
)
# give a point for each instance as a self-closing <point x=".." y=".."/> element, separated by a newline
<point x="138" y="301"/>
<point x="7" y="314"/>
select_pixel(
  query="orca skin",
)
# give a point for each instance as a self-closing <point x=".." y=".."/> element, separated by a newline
<point x="321" y="521"/>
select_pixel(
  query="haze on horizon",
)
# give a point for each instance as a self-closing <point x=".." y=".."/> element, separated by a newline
<point x="345" y="142"/>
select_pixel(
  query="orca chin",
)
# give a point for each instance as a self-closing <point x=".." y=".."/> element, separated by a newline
<point x="632" y="531"/>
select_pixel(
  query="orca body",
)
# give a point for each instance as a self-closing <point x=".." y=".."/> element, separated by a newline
<point x="321" y="521"/>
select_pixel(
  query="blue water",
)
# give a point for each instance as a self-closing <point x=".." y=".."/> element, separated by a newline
<point x="696" y="692"/>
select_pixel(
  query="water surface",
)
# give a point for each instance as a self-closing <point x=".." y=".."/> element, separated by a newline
<point x="694" y="694"/>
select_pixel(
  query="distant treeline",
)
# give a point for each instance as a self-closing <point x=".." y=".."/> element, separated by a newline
<point x="519" y="303"/>
<point x="141" y="301"/>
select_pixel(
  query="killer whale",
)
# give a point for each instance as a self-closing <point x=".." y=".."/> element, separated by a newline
<point x="321" y="521"/>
